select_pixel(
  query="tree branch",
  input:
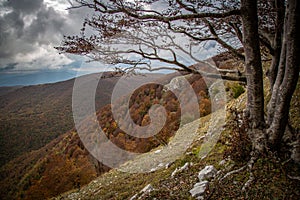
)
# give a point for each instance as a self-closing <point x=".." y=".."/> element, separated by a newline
<point x="223" y="43"/>
<point x="237" y="31"/>
<point x="267" y="40"/>
<point x="101" y="7"/>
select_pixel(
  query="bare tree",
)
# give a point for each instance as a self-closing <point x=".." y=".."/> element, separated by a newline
<point x="142" y="32"/>
<point x="138" y="33"/>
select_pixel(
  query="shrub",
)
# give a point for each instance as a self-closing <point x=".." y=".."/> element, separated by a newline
<point x="237" y="90"/>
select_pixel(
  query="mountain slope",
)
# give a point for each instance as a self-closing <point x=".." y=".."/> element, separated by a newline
<point x="5" y="90"/>
<point x="32" y="116"/>
<point x="64" y="163"/>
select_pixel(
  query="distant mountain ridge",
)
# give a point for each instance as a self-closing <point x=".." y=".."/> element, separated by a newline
<point x="26" y="78"/>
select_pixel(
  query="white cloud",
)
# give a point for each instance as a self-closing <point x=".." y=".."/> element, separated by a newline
<point x="44" y="57"/>
<point x="60" y="6"/>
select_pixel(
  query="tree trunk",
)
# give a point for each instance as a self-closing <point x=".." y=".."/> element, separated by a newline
<point x="276" y="71"/>
<point x="278" y="81"/>
<point x="255" y="103"/>
<point x="277" y="43"/>
<point x="291" y="74"/>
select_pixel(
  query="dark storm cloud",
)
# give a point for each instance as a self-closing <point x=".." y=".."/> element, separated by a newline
<point x="24" y="6"/>
<point x="30" y="29"/>
<point x="46" y="28"/>
<point x="12" y="23"/>
<point x="27" y="24"/>
<point x="8" y="67"/>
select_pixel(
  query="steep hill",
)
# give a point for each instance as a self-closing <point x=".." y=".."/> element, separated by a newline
<point x="64" y="163"/>
<point x="274" y="179"/>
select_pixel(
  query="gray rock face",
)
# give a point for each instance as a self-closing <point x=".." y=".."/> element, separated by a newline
<point x="207" y="173"/>
<point x="178" y="82"/>
<point x="199" y="189"/>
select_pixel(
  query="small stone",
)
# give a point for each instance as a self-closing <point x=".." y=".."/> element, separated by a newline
<point x="183" y="168"/>
<point x="199" y="189"/>
<point x="157" y="151"/>
<point x="222" y="162"/>
<point x="168" y="165"/>
<point x="207" y="173"/>
<point x="134" y="197"/>
<point x="147" y="189"/>
<point x="203" y="157"/>
<point x="153" y="169"/>
<point x="160" y="165"/>
<point x="202" y="137"/>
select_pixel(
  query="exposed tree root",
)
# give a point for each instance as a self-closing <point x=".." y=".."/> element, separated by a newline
<point x="250" y="164"/>
<point x="232" y="172"/>
<point x="249" y="167"/>
<point x="286" y="161"/>
<point x="294" y="177"/>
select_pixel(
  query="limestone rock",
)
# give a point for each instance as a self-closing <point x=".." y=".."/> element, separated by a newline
<point x="207" y="173"/>
<point x="147" y="189"/>
<point x="178" y="82"/>
<point x="199" y="189"/>
<point x="178" y="170"/>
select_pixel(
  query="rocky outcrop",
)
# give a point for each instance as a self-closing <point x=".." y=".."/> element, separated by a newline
<point x="177" y="83"/>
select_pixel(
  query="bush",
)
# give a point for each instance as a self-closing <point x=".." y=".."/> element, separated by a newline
<point x="237" y="90"/>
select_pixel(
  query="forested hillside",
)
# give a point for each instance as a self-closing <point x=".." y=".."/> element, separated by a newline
<point x="32" y="116"/>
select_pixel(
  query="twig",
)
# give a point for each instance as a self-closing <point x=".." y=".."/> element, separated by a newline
<point x="233" y="172"/>
<point x="294" y="177"/>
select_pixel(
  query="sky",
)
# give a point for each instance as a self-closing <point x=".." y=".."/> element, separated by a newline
<point x="29" y="31"/>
